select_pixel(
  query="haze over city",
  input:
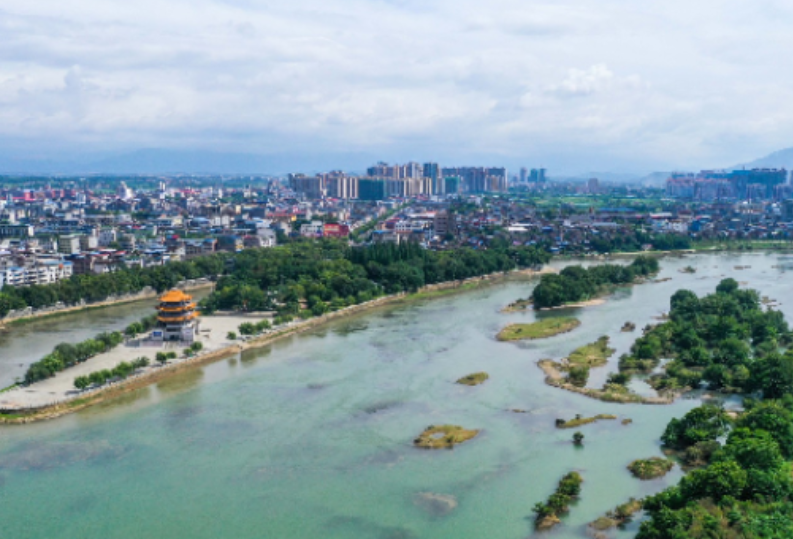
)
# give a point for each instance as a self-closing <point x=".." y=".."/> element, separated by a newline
<point x="572" y="86"/>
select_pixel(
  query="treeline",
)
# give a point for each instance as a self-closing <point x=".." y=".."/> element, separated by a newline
<point x="724" y="339"/>
<point x="741" y="489"/>
<point x="93" y="288"/>
<point x="312" y="278"/>
<point x="576" y="283"/>
<point x="67" y="355"/>
<point x="119" y="372"/>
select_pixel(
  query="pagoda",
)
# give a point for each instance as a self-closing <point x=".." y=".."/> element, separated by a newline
<point x="177" y="317"/>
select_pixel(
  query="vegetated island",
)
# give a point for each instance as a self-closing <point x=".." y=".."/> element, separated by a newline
<point x="576" y="284"/>
<point x="578" y="363"/>
<point x="542" y="329"/>
<point x="474" y="379"/>
<point x="614" y="390"/>
<point x="578" y="421"/>
<point x="628" y="327"/>
<point x="558" y="503"/>
<point x="743" y="487"/>
<point x="515" y="306"/>
<point x="726" y="340"/>
<point x="651" y="468"/>
<point x="444" y="436"/>
<point x="620" y="515"/>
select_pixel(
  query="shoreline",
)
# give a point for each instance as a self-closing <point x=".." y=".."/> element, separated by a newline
<point x="7" y="324"/>
<point x="80" y="401"/>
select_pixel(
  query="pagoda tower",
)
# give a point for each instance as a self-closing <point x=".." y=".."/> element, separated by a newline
<point x="177" y="316"/>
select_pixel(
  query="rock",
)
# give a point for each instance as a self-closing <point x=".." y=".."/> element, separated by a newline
<point x="436" y="504"/>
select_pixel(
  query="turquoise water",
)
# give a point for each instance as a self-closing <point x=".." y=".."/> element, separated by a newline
<point x="312" y="437"/>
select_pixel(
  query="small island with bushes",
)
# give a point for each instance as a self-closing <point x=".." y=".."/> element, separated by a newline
<point x="444" y="436"/>
<point x="538" y="330"/>
<point x="619" y="516"/>
<point x="577" y="421"/>
<point x="628" y="327"/>
<point x="474" y="379"/>
<point x="558" y="503"/>
<point x="651" y="468"/>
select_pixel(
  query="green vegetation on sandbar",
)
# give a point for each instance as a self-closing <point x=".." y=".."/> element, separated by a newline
<point x="538" y="330"/>
<point x="444" y="436"/>
<point x="576" y="283"/>
<point x="578" y="421"/>
<point x="618" y="516"/>
<point x="592" y="355"/>
<point x="651" y="468"/>
<point x="474" y="379"/>
<point x="558" y="503"/>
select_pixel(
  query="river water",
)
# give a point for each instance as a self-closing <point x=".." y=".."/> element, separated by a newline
<point x="312" y="436"/>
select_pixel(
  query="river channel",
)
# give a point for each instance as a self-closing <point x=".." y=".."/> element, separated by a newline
<point x="312" y="436"/>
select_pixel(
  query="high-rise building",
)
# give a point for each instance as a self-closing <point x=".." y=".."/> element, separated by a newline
<point x="311" y="187"/>
<point x="453" y="185"/>
<point x="537" y="175"/>
<point x="523" y="174"/>
<point x="372" y="189"/>
<point x="433" y="172"/>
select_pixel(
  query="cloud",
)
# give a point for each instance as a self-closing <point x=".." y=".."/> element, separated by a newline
<point x="520" y="81"/>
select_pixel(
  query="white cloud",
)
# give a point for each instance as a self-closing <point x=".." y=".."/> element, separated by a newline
<point x="652" y="84"/>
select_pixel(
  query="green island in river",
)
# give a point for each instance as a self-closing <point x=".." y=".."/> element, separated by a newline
<point x="542" y="329"/>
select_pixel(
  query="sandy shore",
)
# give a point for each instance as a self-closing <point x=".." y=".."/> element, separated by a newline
<point x="57" y="396"/>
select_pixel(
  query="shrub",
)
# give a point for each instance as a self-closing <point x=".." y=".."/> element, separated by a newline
<point x="231" y="336"/>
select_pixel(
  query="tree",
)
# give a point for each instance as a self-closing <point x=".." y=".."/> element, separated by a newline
<point x="707" y="422"/>
<point x="578" y="438"/>
<point x="161" y="358"/>
<point x="81" y="382"/>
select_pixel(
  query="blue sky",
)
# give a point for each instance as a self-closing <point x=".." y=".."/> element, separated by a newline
<point x="574" y="85"/>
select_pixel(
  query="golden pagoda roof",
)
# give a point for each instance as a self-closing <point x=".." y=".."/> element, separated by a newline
<point x="175" y="296"/>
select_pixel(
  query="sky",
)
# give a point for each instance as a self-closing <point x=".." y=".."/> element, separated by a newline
<point x="572" y="85"/>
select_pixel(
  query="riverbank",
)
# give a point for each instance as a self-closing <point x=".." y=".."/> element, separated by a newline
<point x="57" y="396"/>
<point x="29" y="314"/>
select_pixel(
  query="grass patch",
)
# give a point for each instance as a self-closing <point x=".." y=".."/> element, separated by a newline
<point x="651" y="468"/>
<point x="9" y="388"/>
<point x="444" y="436"/>
<point x="474" y="379"/>
<point x="592" y="355"/>
<point x="4" y="416"/>
<point x="578" y="421"/>
<point x="538" y="330"/>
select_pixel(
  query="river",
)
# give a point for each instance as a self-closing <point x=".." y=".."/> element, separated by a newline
<point x="312" y="436"/>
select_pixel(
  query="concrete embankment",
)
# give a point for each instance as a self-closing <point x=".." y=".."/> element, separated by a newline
<point x="57" y="396"/>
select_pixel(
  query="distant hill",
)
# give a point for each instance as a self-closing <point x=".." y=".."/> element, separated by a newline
<point x="778" y="159"/>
